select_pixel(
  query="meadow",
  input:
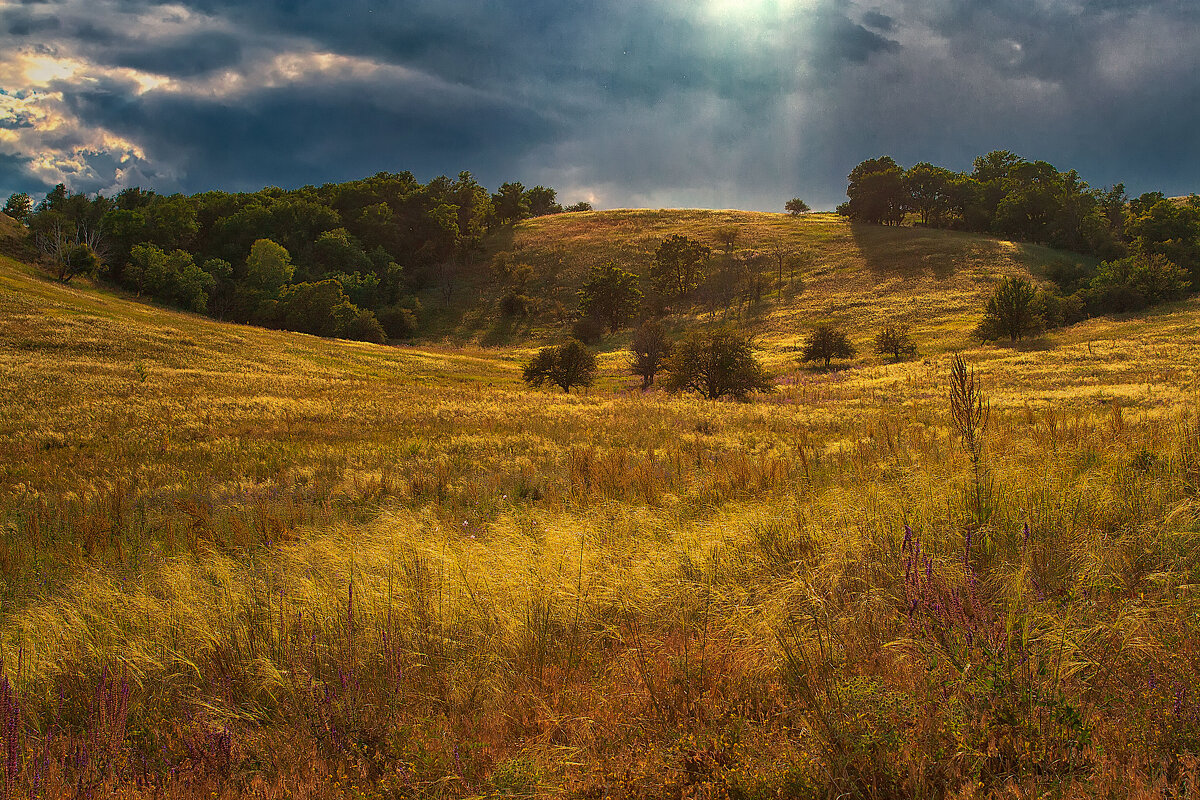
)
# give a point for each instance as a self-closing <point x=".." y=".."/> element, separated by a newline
<point x="240" y="562"/>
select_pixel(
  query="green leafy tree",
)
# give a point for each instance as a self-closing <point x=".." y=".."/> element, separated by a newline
<point x="1137" y="281"/>
<point x="796" y="207"/>
<point x="582" y="205"/>
<point x="18" y="206"/>
<point x="825" y="344"/>
<point x="268" y="269"/>
<point x="338" y="251"/>
<point x="323" y="309"/>
<point x="648" y="351"/>
<point x="1011" y="311"/>
<point x="566" y="366"/>
<point x="876" y="192"/>
<point x="714" y="364"/>
<point x="171" y="277"/>
<point x="510" y="203"/>
<point x="679" y="266"/>
<point x="610" y="294"/>
<point x="929" y="191"/>
<point x="895" y="341"/>
<point x="542" y="201"/>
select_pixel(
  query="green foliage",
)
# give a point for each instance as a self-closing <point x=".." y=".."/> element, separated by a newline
<point x="510" y="203"/>
<point x="18" y="206"/>
<point x="588" y="330"/>
<point x="679" y="266"/>
<point x="582" y="205"/>
<point x="566" y="366"/>
<point x="78" y="259"/>
<point x="399" y="321"/>
<point x="1158" y="226"/>
<point x="171" y="277"/>
<point x="542" y="201"/>
<point x="826" y="343"/>
<point x="610" y="294"/>
<point x="1010" y="312"/>
<point x="877" y="192"/>
<point x="363" y="289"/>
<point x="895" y="341"/>
<point x="1057" y="310"/>
<point x="648" y="351"/>
<point x="338" y="251"/>
<point x="1137" y="281"/>
<point x="323" y="309"/>
<point x="716" y="363"/>
<point x="929" y="190"/>
<point x="796" y="207"/>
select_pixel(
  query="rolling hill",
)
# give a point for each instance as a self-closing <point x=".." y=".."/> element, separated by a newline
<point x="247" y="561"/>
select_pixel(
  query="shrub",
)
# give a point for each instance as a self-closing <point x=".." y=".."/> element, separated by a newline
<point x="399" y="322"/>
<point x="1010" y="312"/>
<point x="716" y="363"/>
<point x="1132" y="283"/>
<point x="515" y="304"/>
<point x="648" y="351"/>
<point x="825" y="344"/>
<point x="587" y="330"/>
<point x="895" y="341"/>
<point x="565" y="365"/>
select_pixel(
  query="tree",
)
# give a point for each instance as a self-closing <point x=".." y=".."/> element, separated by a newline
<point x="895" y="341"/>
<point x="18" y="206"/>
<point x="610" y="294"/>
<point x="542" y="201"/>
<point x="648" y="351"/>
<point x="582" y="205"/>
<point x="929" y="191"/>
<point x="1010" y="311"/>
<point x="716" y="363"/>
<point x="566" y="365"/>
<point x="268" y="269"/>
<point x="1132" y="283"/>
<point x="796" y="207"/>
<point x="510" y="203"/>
<point x="876" y="192"/>
<point x="170" y="277"/>
<point x="825" y="344"/>
<point x="679" y="265"/>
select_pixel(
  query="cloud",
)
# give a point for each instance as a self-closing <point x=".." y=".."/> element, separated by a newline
<point x="671" y="102"/>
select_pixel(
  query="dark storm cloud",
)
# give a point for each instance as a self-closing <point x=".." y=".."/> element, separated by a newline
<point x="181" y="56"/>
<point x="678" y="102"/>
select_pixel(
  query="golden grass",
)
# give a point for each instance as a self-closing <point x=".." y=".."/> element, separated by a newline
<point x="331" y="568"/>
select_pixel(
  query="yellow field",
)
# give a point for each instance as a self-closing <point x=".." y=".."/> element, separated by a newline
<point x="322" y="568"/>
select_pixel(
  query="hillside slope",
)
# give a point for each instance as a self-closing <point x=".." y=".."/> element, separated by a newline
<point x="817" y="267"/>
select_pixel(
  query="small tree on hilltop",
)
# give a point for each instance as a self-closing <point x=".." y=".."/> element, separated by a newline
<point x="18" y="206"/>
<point x="826" y="344"/>
<point x="648" y="352"/>
<point x="1010" y="311"/>
<point x="565" y="365"/>
<point x="610" y="294"/>
<point x="895" y="341"/>
<point x="796" y="207"/>
<point x="716" y="363"/>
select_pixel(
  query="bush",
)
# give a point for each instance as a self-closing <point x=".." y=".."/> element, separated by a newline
<point x="515" y="304"/>
<point x="1057" y="310"/>
<point x="716" y="363"/>
<point x="825" y="344"/>
<point x="565" y="365"/>
<point x="1010" y="312"/>
<point x="363" y="326"/>
<point x="398" y="322"/>
<point x="648" y="351"/>
<point x="895" y="341"/>
<point x="1133" y="283"/>
<point x="587" y="330"/>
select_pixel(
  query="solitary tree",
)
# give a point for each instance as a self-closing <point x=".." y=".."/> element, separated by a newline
<point x="1010" y="311"/>
<point x="716" y="363"/>
<point x="825" y="344"/>
<point x="565" y="365"/>
<point x="895" y="341"/>
<point x="796" y="207"/>
<point x="648" y="351"/>
<point x="678" y="266"/>
<point x="610" y="294"/>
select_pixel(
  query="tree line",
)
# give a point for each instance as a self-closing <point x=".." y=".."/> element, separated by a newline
<point x="1147" y="248"/>
<point x="345" y="259"/>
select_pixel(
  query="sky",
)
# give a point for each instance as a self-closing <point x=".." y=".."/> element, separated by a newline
<point x="623" y="103"/>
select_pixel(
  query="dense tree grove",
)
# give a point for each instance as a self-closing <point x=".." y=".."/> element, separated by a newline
<point x="336" y="260"/>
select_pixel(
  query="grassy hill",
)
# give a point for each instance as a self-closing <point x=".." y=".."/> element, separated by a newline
<point x="852" y="275"/>
<point x="237" y="560"/>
